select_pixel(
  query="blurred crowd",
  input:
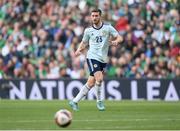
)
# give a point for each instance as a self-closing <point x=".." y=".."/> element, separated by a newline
<point x="38" y="38"/>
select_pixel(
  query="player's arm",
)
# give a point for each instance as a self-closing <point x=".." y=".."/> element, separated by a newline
<point x="80" y="49"/>
<point x="117" y="40"/>
<point x="83" y="43"/>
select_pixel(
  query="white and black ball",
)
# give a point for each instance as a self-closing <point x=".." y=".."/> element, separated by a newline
<point x="63" y="118"/>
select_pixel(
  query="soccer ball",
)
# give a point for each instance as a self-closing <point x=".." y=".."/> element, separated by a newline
<point x="63" y="118"/>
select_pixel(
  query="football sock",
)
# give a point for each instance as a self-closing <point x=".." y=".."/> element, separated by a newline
<point x="84" y="90"/>
<point x="98" y="91"/>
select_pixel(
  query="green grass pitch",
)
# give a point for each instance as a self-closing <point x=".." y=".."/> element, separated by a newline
<point x="119" y="115"/>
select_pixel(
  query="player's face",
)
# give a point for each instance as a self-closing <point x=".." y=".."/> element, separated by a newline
<point x="95" y="17"/>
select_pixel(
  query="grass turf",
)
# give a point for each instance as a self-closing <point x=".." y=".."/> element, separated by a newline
<point x="119" y="115"/>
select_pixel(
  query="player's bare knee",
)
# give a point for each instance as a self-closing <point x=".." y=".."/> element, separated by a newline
<point x="98" y="82"/>
<point x="91" y="81"/>
<point x="99" y="79"/>
<point x="90" y="84"/>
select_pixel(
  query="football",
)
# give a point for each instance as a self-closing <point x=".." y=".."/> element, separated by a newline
<point x="63" y="118"/>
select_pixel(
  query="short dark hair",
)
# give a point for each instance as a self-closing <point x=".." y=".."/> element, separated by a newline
<point x="97" y="10"/>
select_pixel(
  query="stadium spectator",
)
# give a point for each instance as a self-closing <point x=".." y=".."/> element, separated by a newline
<point x="37" y="37"/>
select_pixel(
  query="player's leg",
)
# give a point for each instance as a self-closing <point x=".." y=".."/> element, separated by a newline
<point x="85" y="89"/>
<point x="99" y="78"/>
<point x="82" y="93"/>
<point x="96" y="69"/>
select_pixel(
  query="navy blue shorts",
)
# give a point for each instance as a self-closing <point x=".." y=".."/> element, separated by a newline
<point x="95" y="66"/>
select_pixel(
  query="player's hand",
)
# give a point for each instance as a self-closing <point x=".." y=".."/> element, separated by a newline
<point x="77" y="53"/>
<point x="113" y="43"/>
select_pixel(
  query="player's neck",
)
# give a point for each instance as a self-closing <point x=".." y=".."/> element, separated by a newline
<point x="97" y="26"/>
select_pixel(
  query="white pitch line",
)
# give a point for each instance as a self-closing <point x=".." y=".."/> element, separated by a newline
<point x="89" y="120"/>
